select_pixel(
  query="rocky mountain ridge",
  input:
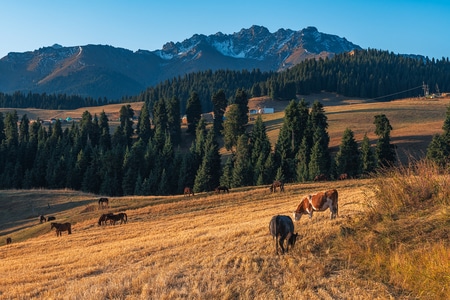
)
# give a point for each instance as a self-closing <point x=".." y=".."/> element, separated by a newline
<point x="106" y="71"/>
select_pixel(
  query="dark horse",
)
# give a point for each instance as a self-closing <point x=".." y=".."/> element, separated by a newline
<point x="51" y="218"/>
<point x="221" y="188"/>
<point x="43" y="219"/>
<point x="122" y="217"/>
<point x="103" y="201"/>
<point x="283" y="227"/>
<point x="277" y="184"/>
<point x="61" y="227"/>
<point x="188" y="191"/>
<point x="8" y="240"/>
<point x="103" y="218"/>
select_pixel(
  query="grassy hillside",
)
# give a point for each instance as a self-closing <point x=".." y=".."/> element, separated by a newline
<point x="390" y="240"/>
<point x="218" y="246"/>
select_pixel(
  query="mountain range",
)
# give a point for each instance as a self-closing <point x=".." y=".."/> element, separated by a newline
<point x="100" y="71"/>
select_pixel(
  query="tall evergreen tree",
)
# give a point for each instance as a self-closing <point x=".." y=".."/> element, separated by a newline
<point x="242" y="171"/>
<point x="260" y="148"/>
<point x="219" y="102"/>
<point x="208" y="175"/>
<point x="232" y="127"/>
<point x="348" y="156"/>
<point x="174" y="120"/>
<point x="368" y="161"/>
<point x="241" y="100"/>
<point x="143" y="128"/>
<point x="193" y="112"/>
<point x="384" y="150"/>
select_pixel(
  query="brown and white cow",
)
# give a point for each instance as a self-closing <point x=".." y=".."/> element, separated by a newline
<point x="318" y="202"/>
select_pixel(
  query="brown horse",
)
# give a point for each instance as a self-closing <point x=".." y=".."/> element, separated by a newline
<point x="321" y="177"/>
<point x="61" y="227"/>
<point x="8" y="240"/>
<point x="103" y="218"/>
<point x="122" y="217"/>
<point x="188" y="191"/>
<point x="102" y="202"/>
<point x="277" y="184"/>
<point x="343" y="176"/>
<point x="221" y="188"/>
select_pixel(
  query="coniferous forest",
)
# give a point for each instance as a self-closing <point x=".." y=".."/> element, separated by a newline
<point x="145" y="158"/>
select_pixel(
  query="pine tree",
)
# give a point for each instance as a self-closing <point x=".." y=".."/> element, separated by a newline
<point x="241" y="100"/>
<point x="208" y="175"/>
<point x="384" y="150"/>
<point x="219" y="102"/>
<point x="319" y="162"/>
<point x="260" y="149"/>
<point x="232" y="127"/>
<point x="227" y="175"/>
<point x="143" y="127"/>
<point x="303" y="161"/>
<point x="438" y="150"/>
<point x="242" y="171"/>
<point x="193" y="112"/>
<point x="348" y="156"/>
<point x="105" y="136"/>
<point x="174" y="120"/>
<point x="368" y="162"/>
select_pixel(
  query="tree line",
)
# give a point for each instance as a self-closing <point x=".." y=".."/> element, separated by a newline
<point x="145" y="157"/>
<point x="374" y="74"/>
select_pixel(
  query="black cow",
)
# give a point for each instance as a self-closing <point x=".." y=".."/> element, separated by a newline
<point x="283" y="227"/>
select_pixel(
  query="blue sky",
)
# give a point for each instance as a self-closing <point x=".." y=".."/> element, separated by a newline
<point x="407" y="27"/>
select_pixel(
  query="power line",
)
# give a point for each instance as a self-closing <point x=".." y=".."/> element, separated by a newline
<point x="417" y="87"/>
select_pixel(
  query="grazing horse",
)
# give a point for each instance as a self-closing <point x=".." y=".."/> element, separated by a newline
<point x="282" y="227"/>
<point x="277" y="184"/>
<point x="221" y="188"/>
<point x="103" y="218"/>
<point x="102" y="202"/>
<point x="321" y="177"/>
<point x="42" y="219"/>
<point x="51" y="218"/>
<point x="343" y="176"/>
<point x="188" y="191"/>
<point x="122" y="217"/>
<point x="318" y="202"/>
<point x="61" y="227"/>
<point x="8" y="240"/>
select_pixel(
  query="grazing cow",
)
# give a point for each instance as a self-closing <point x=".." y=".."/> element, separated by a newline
<point x="282" y="227"/>
<point x="318" y="202"/>
<point x="42" y="219"/>
<point x="188" y="191"/>
<point x="61" y="227"/>
<point x="51" y="218"/>
<point x="8" y="240"/>
<point x="277" y="184"/>
<point x="221" y="188"/>
<point x="103" y="218"/>
<point x="343" y="176"/>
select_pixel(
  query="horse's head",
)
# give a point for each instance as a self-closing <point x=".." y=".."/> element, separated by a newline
<point x="52" y="225"/>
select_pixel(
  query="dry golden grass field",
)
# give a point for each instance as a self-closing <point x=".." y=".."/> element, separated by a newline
<point x="202" y="247"/>
<point x="390" y="240"/>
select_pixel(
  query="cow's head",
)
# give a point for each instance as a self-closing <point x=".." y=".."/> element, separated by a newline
<point x="293" y="239"/>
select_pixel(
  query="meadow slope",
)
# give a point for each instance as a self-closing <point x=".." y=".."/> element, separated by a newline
<point x="203" y="247"/>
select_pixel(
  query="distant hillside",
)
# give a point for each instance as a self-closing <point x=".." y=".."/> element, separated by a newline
<point x="105" y="71"/>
